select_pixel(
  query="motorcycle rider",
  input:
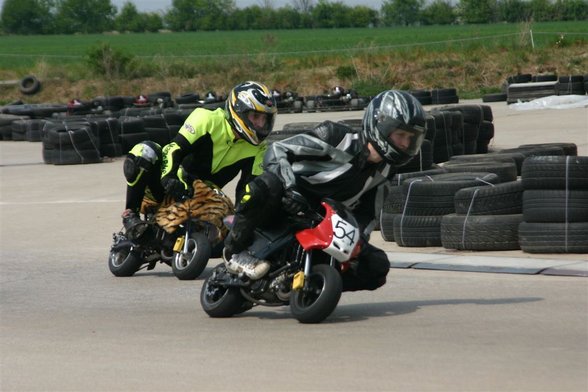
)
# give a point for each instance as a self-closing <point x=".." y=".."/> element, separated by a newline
<point x="337" y="162"/>
<point x="141" y="169"/>
<point x="211" y="146"/>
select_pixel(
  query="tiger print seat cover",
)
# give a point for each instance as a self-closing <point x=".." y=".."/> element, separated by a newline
<point x="209" y="205"/>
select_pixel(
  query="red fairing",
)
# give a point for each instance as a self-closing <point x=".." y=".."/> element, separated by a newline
<point x="319" y="237"/>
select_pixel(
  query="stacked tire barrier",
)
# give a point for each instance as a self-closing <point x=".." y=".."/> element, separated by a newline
<point x="486" y="218"/>
<point x="525" y="87"/>
<point x="461" y="129"/>
<point x="537" y="201"/>
<point x="555" y="204"/>
<point x="440" y="96"/>
<point x="478" y="127"/>
<point x="424" y="200"/>
<point x="66" y="143"/>
<point x="391" y="200"/>
<point x="28" y="129"/>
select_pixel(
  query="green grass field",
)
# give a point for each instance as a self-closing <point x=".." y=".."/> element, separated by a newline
<point x="475" y="59"/>
<point x="21" y="52"/>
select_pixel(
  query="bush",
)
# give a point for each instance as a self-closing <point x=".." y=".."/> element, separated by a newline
<point x="109" y="62"/>
<point x="346" y="72"/>
<point x="369" y="87"/>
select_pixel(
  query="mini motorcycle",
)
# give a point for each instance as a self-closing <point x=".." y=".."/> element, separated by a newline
<point x="183" y="235"/>
<point x="307" y="254"/>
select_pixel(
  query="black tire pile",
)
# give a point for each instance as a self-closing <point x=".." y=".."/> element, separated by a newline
<point x="534" y="198"/>
<point x="90" y="131"/>
<point x="555" y="204"/>
<point x="438" y="96"/>
<point x="525" y="87"/>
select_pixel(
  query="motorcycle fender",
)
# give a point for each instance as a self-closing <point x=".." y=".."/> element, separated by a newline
<point x="298" y="281"/>
<point x="126" y="244"/>
<point x="179" y="245"/>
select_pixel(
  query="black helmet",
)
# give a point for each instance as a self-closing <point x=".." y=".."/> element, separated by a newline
<point x="394" y="123"/>
<point x="251" y="97"/>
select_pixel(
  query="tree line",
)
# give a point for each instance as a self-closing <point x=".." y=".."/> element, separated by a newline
<point x="98" y="16"/>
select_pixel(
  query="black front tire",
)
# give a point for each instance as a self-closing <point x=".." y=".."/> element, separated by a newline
<point x="218" y="301"/>
<point x="190" y="265"/>
<point x="124" y="262"/>
<point x="315" y="305"/>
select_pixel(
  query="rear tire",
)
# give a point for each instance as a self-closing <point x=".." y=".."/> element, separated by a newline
<point x="124" y="262"/>
<point x="316" y="304"/>
<point x="218" y="301"/>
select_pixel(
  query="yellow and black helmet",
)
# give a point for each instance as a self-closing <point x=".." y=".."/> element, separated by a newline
<point x="251" y="97"/>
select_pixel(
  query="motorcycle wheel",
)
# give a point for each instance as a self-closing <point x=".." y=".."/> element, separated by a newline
<point x="315" y="305"/>
<point x="189" y="266"/>
<point x="124" y="262"/>
<point x="218" y="301"/>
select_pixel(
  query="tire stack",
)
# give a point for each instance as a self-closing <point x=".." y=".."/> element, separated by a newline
<point x="29" y="130"/>
<point x="522" y="152"/>
<point x="450" y="135"/>
<point x="423" y="96"/>
<point x="158" y="129"/>
<point x="478" y="127"/>
<point x="6" y="124"/>
<point x="443" y="96"/>
<point x="161" y="99"/>
<point x="486" y="218"/>
<point x="572" y="85"/>
<point x="505" y="170"/>
<point x="132" y="131"/>
<point x="188" y="100"/>
<point x="425" y="200"/>
<point x="555" y="204"/>
<point x="445" y="134"/>
<point x="110" y="104"/>
<point x="107" y="130"/>
<point x="391" y="200"/>
<point x="68" y="143"/>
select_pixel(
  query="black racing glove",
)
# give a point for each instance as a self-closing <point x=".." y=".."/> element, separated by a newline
<point x="293" y="202"/>
<point x="175" y="188"/>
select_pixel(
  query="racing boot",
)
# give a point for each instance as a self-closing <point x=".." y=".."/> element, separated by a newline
<point x="134" y="226"/>
<point x="245" y="263"/>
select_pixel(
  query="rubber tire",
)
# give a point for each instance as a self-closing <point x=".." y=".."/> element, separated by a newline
<point x="228" y="302"/>
<point x="552" y="237"/>
<point x="200" y="251"/>
<point x="500" y="199"/>
<point x="497" y="97"/>
<point x="417" y="231"/>
<point x="506" y="171"/>
<point x="29" y="85"/>
<point x="331" y="287"/>
<point x="130" y="264"/>
<point x="480" y="232"/>
<point x="555" y="172"/>
<point x="555" y="205"/>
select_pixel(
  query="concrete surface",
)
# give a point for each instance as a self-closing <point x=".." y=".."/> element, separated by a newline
<point x="67" y="324"/>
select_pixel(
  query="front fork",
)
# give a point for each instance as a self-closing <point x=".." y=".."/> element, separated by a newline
<point x="301" y="278"/>
<point x="181" y="244"/>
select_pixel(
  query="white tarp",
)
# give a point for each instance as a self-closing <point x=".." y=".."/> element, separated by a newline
<point x="553" y="102"/>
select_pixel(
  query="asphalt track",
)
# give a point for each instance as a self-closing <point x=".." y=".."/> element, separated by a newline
<point x="446" y="320"/>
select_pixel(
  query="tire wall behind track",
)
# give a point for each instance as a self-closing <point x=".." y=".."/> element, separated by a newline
<point x="555" y="204"/>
